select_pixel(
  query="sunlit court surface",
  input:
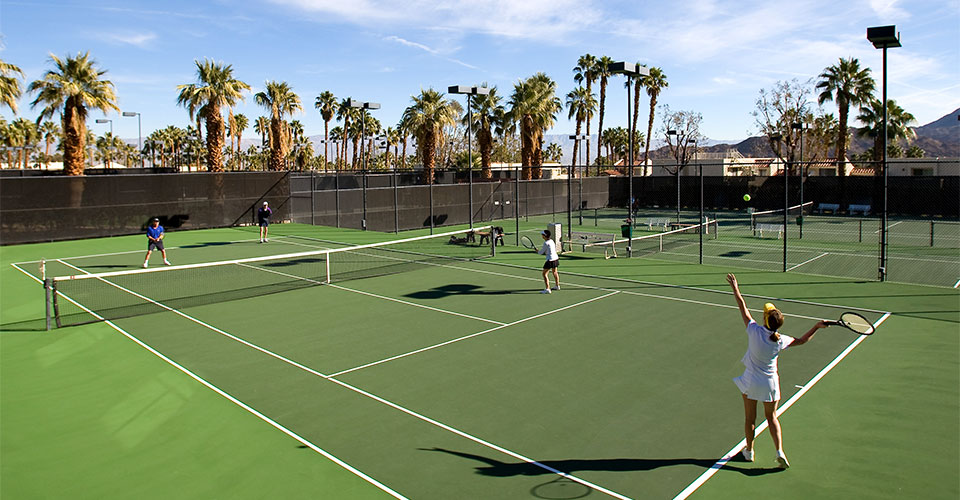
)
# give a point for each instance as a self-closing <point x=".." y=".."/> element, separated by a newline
<point x="451" y="376"/>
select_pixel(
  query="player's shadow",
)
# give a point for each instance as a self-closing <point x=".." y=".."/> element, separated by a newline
<point x="455" y="289"/>
<point x="496" y="468"/>
<point x="209" y="244"/>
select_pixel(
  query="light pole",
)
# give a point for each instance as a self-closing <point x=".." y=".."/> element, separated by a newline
<point x="469" y="91"/>
<point x="679" y="135"/>
<point x="363" y="124"/>
<point x="629" y="70"/>
<point x="139" y="144"/>
<point x="777" y="137"/>
<point x="883" y="37"/>
<point x="580" y="138"/>
<point x="799" y="126"/>
<point x="106" y="120"/>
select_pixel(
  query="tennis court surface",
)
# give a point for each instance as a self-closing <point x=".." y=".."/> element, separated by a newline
<point x="389" y="370"/>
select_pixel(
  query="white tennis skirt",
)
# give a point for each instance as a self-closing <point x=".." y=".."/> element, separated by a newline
<point x="759" y="387"/>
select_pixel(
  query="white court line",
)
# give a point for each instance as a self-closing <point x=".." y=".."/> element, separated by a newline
<point x="117" y="253"/>
<point x="230" y="398"/>
<point x="348" y="386"/>
<point x="957" y="284"/>
<point x="743" y="442"/>
<point x="889" y="226"/>
<point x="465" y="337"/>
<point x="808" y="261"/>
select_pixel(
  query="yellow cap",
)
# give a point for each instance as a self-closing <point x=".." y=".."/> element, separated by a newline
<point x="767" y="309"/>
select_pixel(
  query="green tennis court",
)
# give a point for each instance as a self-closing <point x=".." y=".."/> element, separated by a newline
<point x="456" y="378"/>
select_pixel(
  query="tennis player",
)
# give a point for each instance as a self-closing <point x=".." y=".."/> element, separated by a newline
<point x="155" y="241"/>
<point x="549" y="249"/>
<point x="760" y="380"/>
<point x="263" y="218"/>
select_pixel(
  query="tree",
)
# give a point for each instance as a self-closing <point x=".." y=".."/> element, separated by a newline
<point x="777" y="110"/>
<point x="425" y="118"/>
<point x="326" y="102"/>
<point x="915" y="152"/>
<point x="215" y="87"/>
<point x="262" y="127"/>
<point x="603" y="72"/>
<point x="10" y="90"/>
<point x="553" y="152"/>
<point x="74" y="86"/>
<point x="240" y="123"/>
<point x="534" y="105"/>
<point x="487" y="111"/>
<point x="848" y="85"/>
<point x="683" y="145"/>
<point x="51" y="134"/>
<point x="898" y="126"/>
<point x="586" y="72"/>
<point x="654" y="83"/>
<point x="280" y="99"/>
<point x="580" y="105"/>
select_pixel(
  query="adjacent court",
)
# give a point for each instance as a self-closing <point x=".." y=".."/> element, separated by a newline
<point x="428" y="369"/>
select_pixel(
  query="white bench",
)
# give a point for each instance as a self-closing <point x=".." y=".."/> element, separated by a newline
<point x="661" y="222"/>
<point x="832" y="207"/>
<point x="769" y="228"/>
<point x="863" y="209"/>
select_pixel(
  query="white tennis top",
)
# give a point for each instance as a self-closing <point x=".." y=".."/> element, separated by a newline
<point x="760" y="380"/>
<point x="549" y="249"/>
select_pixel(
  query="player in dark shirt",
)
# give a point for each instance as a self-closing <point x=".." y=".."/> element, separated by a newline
<point x="263" y="218"/>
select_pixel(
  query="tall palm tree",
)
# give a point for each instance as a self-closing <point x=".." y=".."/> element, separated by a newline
<point x="534" y="105"/>
<point x="326" y="102"/>
<point x="10" y="90"/>
<point x="74" y="86"/>
<point x="240" y="123"/>
<point x="280" y="99"/>
<point x="602" y="70"/>
<point x="487" y="110"/>
<point x="262" y="127"/>
<point x="51" y="133"/>
<point x="586" y="71"/>
<point x="846" y="84"/>
<point x="426" y="116"/>
<point x="403" y="131"/>
<point x="345" y="113"/>
<point x="654" y="83"/>
<point x="336" y="135"/>
<point x="580" y="105"/>
<point x="898" y="126"/>
<point x="215" y="87"/>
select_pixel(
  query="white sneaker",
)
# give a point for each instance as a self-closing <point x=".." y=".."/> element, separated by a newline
<point x="782" y="459"/>
<point x="555" y="288"/>
<point x="747" y="455"/>
<point x="144" y="265"/>
<point x="265" y="240"/>
<point x="545" y="290"/>
<point x="166" y="262"/>
<point x="261" y="240"/>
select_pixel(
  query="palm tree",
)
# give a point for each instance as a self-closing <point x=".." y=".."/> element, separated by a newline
<point x="425" y="118"/>
<point x="51" y="133"/>
<point x="326" y="102"/>
<point x="654" y="83"/>
<point x="846" y="84"/>
<point x="216" y="87"/>
<point x="240" y="123"/>
<point x="72" y="88"/>
<point x="898" y="126"/>
<point x="487" y="110"/>
<point x="403" y="131"/>
<point x="548" y="105"/>
<point x="336" y="135"/>
<point x="586" y="71"/>
<point x="602" y="70"/>
<point x="581" y="105"/>
<point x="280" y="99"/>
<point x="345" y="113"/>
<point x="10" y="90"/>
<point x="262" y="127"/>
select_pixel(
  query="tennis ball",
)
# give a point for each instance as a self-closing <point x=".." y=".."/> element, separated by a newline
<point x="746" y="197"/>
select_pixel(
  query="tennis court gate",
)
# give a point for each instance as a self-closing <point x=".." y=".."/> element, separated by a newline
<point x="394" y="202"/>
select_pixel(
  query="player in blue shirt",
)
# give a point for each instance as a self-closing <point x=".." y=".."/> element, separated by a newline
<point x="155" y="241"/>
<point x="263" y="218"/>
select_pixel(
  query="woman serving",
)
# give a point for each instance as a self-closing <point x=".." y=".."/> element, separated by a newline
<point x="760" y="380"/>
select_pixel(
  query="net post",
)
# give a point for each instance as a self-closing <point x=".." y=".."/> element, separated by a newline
<point x="931" y="233"/>
<point x="48" y="300"/>
<point x="493" y="241"/>
<point x="326" y="262"/>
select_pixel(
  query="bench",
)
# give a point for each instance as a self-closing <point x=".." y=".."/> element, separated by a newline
<point x="863" y="209"/>
<point x="832" y="207"/>
<point x="778" y="228"/>
<point x="661" y="222"/>
<point x="485" y="236"/>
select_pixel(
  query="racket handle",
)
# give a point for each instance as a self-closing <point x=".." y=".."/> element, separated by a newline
<point x="831" y="323"/>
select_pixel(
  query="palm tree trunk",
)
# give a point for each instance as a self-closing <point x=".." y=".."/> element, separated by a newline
<point x="276" y="144"/>
<point x="403" y="159"/>
<point x="215" y="129"/>
<point x="646" y="151"/>
<point x="603" y="99"/>
<point x="484" y="141"/>
<point x="427" y="151"/>
<point x="74" y="136"/>
<point x="589" y="117"/>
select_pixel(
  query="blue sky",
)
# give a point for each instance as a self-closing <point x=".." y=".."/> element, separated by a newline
<point x="717" y="54"/>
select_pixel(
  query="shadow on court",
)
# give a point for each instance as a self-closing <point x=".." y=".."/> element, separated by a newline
<point x="457" y="289"/>
<point x="30" y="325"/>
<point x="496" y="468"/>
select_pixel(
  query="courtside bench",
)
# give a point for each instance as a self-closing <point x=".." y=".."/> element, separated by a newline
<point x="832" y="207"/>
<point x="863" y="209"/>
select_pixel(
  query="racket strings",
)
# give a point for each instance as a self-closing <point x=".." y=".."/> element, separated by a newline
<point x="856" y="323"/>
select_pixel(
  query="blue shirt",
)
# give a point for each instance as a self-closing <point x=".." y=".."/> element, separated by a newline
<point x="154" y="232"/>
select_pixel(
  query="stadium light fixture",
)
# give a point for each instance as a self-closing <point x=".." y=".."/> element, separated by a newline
<point x="353" y="103"/>
<point x="884" y="37"/>
<point x="630" y="70"/>
<point x="139" y="134"/>
<point x="106" y="120"/>
<point x="469" y="91"/>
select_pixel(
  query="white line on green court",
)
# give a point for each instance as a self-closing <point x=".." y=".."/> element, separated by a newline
<point x="125" y="252"/>
<point x="232" y="399"/>
<point x="808" y="261"/>
<point x="957" y="284"/>
<point x="344" y="384"/>
<point x="707" y="474"/>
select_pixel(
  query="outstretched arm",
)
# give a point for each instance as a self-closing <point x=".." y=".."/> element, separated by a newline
<point x="809" y="335"/>
<point x="744" y="313"/>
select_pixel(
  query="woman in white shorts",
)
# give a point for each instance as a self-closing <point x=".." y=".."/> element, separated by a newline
<point x="760" y="380"/>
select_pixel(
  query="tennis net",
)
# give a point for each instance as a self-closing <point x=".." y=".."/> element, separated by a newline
<point x="85" y="298"/>
<point x="776" y="216"/>
<point x="684" y="235"/>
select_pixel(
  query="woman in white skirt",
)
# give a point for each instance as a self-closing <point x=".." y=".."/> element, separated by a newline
<point x="760" y="380"/>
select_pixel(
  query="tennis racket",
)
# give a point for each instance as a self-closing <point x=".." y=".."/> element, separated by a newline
<point x="854" y="322"/>
<point x="527" y="242"/>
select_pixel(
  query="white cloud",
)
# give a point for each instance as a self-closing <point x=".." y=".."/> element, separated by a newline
<point x="128" y="38"/>
<point x="887" y="9"/>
